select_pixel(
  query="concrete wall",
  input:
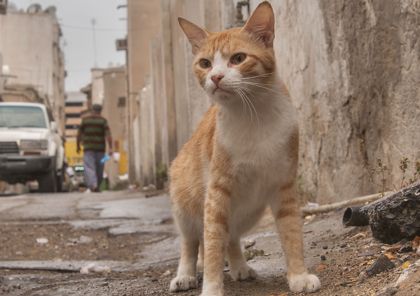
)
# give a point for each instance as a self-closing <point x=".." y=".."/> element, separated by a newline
<point x="2" y="79"/>
<point x="143" y="24"/>
<point x="114" y="93"/>
<point x="353" y="70"/>
<point x="97" y="86"/>
<point x="30" y="44"/>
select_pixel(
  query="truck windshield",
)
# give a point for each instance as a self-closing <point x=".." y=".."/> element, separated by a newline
<point x="22" y="116"/>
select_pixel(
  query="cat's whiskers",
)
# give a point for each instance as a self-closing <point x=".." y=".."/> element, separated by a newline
<point x="261" y="86"/>
<point x="246" y="93"/>
<point x="245" y="106"/>
<point x="245" y="100"/>
<point x="257" y="76"/>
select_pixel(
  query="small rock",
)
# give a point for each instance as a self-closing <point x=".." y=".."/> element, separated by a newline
<point x="358" y="236"/>
<point x="389" y="291"/>
<point x="249" y="243"/>
<point x="325" y="247"/>
<point x="416" y="245"/>
<point x="323" y="258"/>
<point x="94" y="268"/>
<point x="42" y="240"/>
<point x="380" y="265"/>
<point x="166" y="273"/>
<point x="321" y="267"/>
<point x="406" y="248"/>
<point x="403" y="277"/>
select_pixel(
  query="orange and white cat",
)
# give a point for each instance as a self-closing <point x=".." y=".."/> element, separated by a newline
<point x="242" y="158"/>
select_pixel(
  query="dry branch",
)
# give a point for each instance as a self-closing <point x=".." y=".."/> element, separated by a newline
<point x="343" y="204"/>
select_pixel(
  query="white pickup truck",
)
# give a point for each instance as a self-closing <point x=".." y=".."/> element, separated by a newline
<point x="30" y="146"/>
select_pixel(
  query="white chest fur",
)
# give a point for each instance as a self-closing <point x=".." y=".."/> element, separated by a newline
<point x="260" y="159"/>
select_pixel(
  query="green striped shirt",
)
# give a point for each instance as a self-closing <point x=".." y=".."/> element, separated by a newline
<point x="94" y="130"/>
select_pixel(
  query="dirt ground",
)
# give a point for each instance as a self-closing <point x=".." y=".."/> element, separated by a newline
<point x="339" y="256"/>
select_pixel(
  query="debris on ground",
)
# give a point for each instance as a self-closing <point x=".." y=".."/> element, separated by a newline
<point x="83" y="239"/>
<point x="251" y="253"/>
<point x="380" y="265"/>
<point x="249" y="243"/>
<point x="392" y="218"/>
<point x="416" y="245"/>
<point x="143" y="256"/>
<point x="95" y="268"/>
<point x="166" y="273"/>
<point x="42" y="240"/>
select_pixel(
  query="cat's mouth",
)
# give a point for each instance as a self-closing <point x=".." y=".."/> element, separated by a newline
<point x="218" y="88"/>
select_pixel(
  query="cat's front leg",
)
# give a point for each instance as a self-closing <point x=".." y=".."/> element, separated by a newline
<point x="216" y="232"/>
<point x="239" y="269"/>
<point x="288" y="218"/>
<point x="186" y="276"/>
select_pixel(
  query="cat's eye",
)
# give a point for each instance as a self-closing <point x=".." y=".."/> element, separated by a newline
<point x="237" y="58"/>
<point x="204" y="63"/>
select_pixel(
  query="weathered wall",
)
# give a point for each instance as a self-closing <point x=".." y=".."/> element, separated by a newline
<point x="353" y="69"/>
<point x="146" y="137"/>
<point x="2" y="79"/>
<point x="114" y="103"/>
<point x="190" y="100"/>
<point x="143" y="25"/>
<point x="30" y="44"/>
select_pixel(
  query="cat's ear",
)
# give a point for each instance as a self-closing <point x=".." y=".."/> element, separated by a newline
<point x="194" y="33"/>
<point x="261" y="24"/>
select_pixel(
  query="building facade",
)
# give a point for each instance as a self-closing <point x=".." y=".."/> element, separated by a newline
<point x="30" y="45"/>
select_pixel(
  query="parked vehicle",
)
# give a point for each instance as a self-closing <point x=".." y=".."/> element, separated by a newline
<point x="30" y="146"/>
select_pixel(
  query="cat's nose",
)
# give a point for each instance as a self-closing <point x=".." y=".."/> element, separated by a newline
<point x="216" y="78"/>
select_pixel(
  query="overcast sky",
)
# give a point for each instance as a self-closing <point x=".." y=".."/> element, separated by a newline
<point x="76" y="16"/>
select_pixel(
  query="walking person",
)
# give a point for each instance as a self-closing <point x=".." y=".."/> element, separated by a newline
<point x="93" y="134"/>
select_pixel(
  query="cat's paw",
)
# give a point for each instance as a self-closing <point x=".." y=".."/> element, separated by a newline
<point x="212" y="293"/>
<point x="304" y="282"/>
<point x="212" y="289"/>
<point x="242" y="273"/>
<point x="183" y="283"/>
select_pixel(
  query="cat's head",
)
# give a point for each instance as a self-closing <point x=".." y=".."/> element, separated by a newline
<point x="236" y="62"/>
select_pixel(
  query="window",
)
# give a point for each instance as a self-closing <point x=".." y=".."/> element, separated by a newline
<point x="22" y="116"/>
<point x="72" y="115"/>
<point x="121" y="102"/>
<point x="72" y="126"/>
<point x="74" y="104"/>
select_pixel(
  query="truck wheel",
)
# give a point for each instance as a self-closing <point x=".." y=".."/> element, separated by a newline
<point x="60" y="182"/>
<point x="48" y="182"/>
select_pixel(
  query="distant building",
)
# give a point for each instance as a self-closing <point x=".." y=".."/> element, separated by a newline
<point x="30" y="45"/>
<point x="76" y="105"/>
<point x="3" y="6"/>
